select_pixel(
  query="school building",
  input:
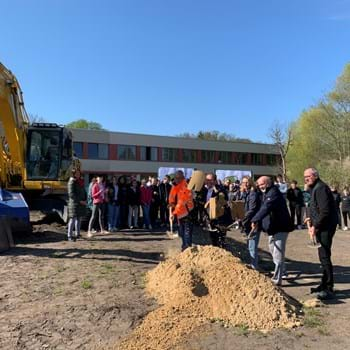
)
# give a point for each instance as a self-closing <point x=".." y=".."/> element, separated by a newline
<point x="119" y="153"/>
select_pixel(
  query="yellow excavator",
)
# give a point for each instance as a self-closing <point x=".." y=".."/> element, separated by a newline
<point x="35" y="159"/>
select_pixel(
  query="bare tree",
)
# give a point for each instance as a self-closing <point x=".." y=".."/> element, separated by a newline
<point x="35" y="118"/>
<point x="282" y="137"/>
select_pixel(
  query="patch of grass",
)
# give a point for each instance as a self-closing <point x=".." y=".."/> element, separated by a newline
<point x="61" y="268"/>
<point x="312" y="318"/>
<point x="106" y="269"/>
<point x="143" y="281"/>
<point x="58" y="291"/>
<point x="86" y="284"/>
<point x="323" y="330"/>
<point x="242" y="329"/>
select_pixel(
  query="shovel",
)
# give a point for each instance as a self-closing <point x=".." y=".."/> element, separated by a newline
<point x="171" y="233"/>
<point x="252" y="234"/>
<point x="313" y="240"/>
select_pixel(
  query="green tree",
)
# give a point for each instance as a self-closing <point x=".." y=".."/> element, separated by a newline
<point x="214" y="135"/>
<point x="322" y="136"/>
<point x="84" y="124"/>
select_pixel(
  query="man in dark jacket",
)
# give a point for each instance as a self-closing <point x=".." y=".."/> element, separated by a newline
<point x="251" y="207"/>
<point x="337" y="201"/>
<point x="275" y="220"/>
<point x="154" y="210"/>
<point x="164" y="190"/>
<point x="213" y="190"/>
<point x="322" y="225"/>
<point x="296" y="202"/>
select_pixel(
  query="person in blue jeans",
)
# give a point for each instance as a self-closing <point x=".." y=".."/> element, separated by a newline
<point x="252" y="205"/>
<point x="113" y="205"/>
<point x="276" y="222"/>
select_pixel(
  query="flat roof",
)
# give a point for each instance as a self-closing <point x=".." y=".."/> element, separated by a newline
<point x="114" y="137"/>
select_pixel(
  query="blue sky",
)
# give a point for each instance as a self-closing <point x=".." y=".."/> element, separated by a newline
<point x="168" y="67"/>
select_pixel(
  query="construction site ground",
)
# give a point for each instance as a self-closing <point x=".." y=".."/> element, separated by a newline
<point x="90" y="294"/>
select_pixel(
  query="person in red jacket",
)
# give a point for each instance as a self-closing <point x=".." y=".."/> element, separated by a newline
<point x="145" y="201"/>
<point x="98" y="194"/>
<point x="181" y="202"/>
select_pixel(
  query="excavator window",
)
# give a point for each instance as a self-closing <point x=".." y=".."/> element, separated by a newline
<point x="44" y="154"/>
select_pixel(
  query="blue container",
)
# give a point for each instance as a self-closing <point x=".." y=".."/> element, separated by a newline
<point x="14" y="209"/>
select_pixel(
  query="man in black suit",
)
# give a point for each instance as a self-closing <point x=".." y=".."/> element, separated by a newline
<point x="322" y="225"/>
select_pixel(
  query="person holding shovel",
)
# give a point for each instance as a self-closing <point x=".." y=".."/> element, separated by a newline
<point x="252" y="203"/>
<point x="276" y="222"/>
<point x="181" y="204"/>
<point x="322" y="224"/>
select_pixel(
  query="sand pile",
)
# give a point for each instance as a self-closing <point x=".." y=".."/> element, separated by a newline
<point x="204" y="284"/>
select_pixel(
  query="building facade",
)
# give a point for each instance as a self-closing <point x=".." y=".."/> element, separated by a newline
<point x="117" y="153"/>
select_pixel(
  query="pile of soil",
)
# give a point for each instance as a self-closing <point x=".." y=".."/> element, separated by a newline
<point x="207" y="284"/>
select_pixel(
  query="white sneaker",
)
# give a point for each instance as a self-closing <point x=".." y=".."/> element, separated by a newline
<point x="345" y="228"/>
<point x="89" y="234"/>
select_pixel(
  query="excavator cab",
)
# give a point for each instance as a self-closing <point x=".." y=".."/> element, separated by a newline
<point x="49" y="152"/>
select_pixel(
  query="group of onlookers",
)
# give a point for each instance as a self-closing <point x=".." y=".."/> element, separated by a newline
<point x="119" y="203"/>
<point x="116" y="204"/>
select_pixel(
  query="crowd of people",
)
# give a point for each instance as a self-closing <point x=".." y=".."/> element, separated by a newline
<point x="273" y="207"/>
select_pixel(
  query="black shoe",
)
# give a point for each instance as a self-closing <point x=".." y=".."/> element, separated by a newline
<point x="325" y="295"/>
<point x="316" y="289"/>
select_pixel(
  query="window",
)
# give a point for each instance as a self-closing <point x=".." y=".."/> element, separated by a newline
<point x="97" y="151"/>
<point x="189" y="155"/>
<point x="78" y="149"/>
<point x="126" y="152"/>
<point x="208" y="156"/>
<point x="92" y="151"/>
<point x="170" y="155"/>
<point x="241" y="158"/>
<point x="44" y="154"/>
<point x="257" y="159"/>
<point x="225" y="157"/>
<point x="102" y="151"/>
<point x="148" y="153"/>
<point x="271" y="159"/>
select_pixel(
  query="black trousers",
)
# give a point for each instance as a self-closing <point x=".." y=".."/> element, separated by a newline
<point x="325" y="238"/>
<point x="164" y="213"/>
<point x="218" y="236"/>
<point x="295" y="210"/>
<point x="153" y="213"/>
<point x="346" y="214"/>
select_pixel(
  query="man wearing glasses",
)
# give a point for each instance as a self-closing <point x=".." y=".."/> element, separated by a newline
<point x="322" y="224"/>
<point x="276" y="222"/>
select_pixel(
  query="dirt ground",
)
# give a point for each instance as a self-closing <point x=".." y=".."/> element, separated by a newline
<point x="90" y="294"/>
